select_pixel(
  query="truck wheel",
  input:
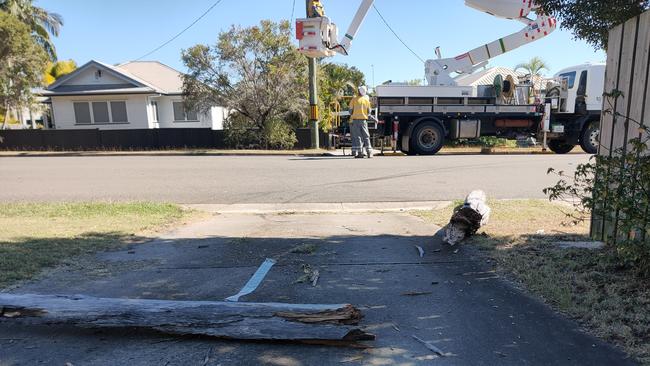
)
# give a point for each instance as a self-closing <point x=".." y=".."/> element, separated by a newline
<point x="560" y="147"/>
<point x="427" y="138"/>
<point x="590" y="138"/>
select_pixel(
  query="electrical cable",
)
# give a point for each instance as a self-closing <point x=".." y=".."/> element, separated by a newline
<point x="181" y="32"/>
<point x="396" y="35"/>
<point x="293" y="13"/>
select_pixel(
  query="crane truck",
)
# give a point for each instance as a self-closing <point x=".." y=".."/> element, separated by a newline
<point x="420" y="119"/>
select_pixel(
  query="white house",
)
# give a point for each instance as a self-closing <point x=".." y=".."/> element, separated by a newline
<point x="133" y="95"/>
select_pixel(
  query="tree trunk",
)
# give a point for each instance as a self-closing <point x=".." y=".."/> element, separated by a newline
<point x="232" y="320"/>
<point x="4" y="123"/>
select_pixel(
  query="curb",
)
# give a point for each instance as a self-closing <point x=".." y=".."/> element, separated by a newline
<point x="32" y="154"/>
<point x="307" y="208"/>
<point x="122" y="154"/>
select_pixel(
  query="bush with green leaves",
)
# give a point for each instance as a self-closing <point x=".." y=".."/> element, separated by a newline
<point x="614" y="189"/>
<point x="241" y="133"/>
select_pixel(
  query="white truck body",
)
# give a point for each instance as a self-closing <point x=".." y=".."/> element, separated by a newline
<point x="584" y="83"/>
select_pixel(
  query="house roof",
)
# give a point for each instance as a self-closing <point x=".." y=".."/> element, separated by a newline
<point x="134" y="78"/>
<point x="159" y="75"/>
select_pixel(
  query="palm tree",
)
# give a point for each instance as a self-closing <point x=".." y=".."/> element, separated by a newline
<point x="41" y="22"/>
<point x="534" y="68"/>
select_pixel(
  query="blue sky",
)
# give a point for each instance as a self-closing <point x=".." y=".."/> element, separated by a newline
<point x="121" y="30"/>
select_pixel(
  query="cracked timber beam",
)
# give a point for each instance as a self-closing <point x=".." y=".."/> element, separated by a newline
<point x="230" y="320"/>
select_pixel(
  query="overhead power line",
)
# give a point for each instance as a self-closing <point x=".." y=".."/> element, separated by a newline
<point x="181" y="32"/>
<point x="396" y="35"/>
<point x="293" y="13"/>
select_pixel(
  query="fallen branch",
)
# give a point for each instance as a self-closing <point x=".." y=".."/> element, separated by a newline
<point x="248" y="321"/>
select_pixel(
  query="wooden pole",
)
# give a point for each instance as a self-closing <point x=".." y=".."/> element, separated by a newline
<point x="313" y="90"/>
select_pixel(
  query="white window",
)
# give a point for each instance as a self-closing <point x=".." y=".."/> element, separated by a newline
<point x="154" y="110"/>
<point x="118" y="111"/>
<point x="98" y="112"/>
<point x="181" y="115"/>
<point x="82" y="113"/>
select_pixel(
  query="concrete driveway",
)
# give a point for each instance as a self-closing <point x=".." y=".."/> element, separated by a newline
<point x="449" y="297"/>
<point x="232" y="179"/>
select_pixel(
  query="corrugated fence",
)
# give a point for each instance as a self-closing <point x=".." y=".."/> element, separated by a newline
<point x="628" y="71"/>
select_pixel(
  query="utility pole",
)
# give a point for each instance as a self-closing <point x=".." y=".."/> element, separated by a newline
<point x="313" y="89"/>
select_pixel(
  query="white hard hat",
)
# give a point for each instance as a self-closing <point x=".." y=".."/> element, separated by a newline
<point x="363" y="90"/>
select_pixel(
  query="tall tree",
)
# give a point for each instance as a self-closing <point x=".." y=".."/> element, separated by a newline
<point x="255" y="72"/>
<point x="58" y="69"/>
<point x="41" y="23"/>
<point x="591" y="20"/>
<point x="335" y="82"/>
<point x="21" y="67"/>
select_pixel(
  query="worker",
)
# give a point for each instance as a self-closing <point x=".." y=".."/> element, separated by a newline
<point x="317" y="9"/>
<point x="359" y="114"/>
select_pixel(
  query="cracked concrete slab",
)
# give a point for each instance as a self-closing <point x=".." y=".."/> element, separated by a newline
<point x="450" y="298"/>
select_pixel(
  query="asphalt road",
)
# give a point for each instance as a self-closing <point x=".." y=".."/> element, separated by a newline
<point x="283" y="179"/>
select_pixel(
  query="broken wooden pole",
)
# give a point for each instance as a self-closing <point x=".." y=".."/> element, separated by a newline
<point x="231" y="320"/>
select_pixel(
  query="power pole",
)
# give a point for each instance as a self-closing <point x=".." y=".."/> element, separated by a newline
<point x="313" y="90"/>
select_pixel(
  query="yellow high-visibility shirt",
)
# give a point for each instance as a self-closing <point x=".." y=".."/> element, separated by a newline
<point x="360" y="107"/>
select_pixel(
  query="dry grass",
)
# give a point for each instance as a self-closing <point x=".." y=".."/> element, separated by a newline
<point x="38" y="236"/>
<point x="610" y="301"/>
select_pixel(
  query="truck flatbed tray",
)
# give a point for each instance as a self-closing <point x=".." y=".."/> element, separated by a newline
<point x="447" y="109"/>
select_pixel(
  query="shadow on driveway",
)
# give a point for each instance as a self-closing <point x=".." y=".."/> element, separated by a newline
<point x="447" y="297"/>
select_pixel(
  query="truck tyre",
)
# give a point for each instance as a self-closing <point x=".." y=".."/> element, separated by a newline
<point x="427" y="138"/>
<point x="560" y="147"/>
<point x="590" y="138"/>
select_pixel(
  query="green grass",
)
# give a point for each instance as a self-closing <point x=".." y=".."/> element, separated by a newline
<point x="588" y="285"/>
<point x="38" y="236"/>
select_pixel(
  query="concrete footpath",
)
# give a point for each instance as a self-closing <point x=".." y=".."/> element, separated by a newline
<point x="448" y="297"/>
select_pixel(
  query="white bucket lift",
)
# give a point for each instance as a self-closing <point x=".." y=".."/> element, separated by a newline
<point x="318" y="37"/>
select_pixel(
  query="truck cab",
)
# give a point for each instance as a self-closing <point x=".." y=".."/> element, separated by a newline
<point x="584" y="88"/>
<point x="576" y="98"/>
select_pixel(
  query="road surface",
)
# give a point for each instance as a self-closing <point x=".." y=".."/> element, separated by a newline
<point x="282" y="179"/>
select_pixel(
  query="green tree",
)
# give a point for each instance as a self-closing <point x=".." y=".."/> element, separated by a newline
<point x="415" y="82"/>
<point x="335" y="82"/>
<point x="21" y="67"/>
<point x="591" y="20"/>
<point x="255" y="72"/>
<point x="534" y="67"/>
<point x="58" y="69"/>
<point x="41" y="23"/>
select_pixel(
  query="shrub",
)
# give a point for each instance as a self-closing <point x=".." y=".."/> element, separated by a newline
<point x="241" y="133"/>
<point x="279" y="135"/>
<point x="616" y="191"/>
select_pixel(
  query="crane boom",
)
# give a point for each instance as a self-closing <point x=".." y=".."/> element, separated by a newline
<point x="319" y="37"/>
<point x="438" y="71"/>
<point x="359" y="17"/>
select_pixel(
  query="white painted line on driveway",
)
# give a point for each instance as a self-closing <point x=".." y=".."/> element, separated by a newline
<point x="255" y="281"/>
